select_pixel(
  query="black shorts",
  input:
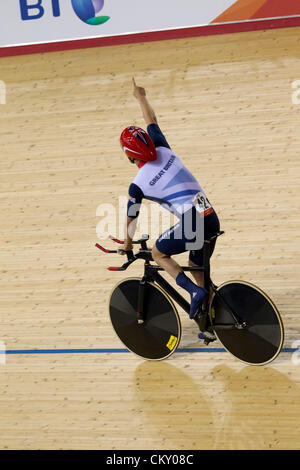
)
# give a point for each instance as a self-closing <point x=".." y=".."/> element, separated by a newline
<point x="189" y="235"/>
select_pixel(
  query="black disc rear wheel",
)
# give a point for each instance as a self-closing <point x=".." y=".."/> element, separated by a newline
<point x="261" y="340"/>
<point x="158" y="337"/>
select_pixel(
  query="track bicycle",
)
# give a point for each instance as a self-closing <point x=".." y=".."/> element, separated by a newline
<point x="145" y="318"/>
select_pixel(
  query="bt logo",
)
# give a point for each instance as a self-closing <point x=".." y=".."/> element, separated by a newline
<point x="86" y="10"/>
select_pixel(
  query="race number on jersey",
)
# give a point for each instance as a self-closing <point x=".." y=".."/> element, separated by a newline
<point x="202" y="204"/>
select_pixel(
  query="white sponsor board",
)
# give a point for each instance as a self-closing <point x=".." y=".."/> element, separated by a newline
<point x="25" y="22"/>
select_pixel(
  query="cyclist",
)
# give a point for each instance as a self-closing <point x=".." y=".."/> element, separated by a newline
<point x="163" y="178"/>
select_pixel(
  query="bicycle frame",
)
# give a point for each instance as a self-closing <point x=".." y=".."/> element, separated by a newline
<point x="151" y="274"/>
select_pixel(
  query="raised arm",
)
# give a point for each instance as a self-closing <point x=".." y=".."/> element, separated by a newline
<point x="140" y="95"/>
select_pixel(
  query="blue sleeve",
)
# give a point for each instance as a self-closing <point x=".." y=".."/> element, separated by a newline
<point x="157" y="136"/>
<point x="134" y="201"/>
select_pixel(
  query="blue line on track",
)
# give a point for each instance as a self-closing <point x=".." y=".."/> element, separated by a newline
<point x="118" y="351"/>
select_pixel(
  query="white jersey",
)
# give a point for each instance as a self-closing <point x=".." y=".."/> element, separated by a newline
<point x="168" y="182"/>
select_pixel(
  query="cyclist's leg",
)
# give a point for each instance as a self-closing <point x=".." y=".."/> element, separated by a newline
<point x="199" y="276"/>
<point x="211" y="226"/>
<point x="168" y="244"/>
<point x="166" y="262"/>
<point x="196" y="259"/>
<point x="173" y="242"/>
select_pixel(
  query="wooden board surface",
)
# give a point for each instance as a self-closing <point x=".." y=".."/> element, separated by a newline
<point x="225" y="106"/>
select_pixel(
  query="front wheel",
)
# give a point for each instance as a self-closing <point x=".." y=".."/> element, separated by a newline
<point x="261" y="340"/>
<point x="159" y="336"/>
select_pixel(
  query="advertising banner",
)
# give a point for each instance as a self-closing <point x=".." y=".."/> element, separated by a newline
<point x="29" y="22"/>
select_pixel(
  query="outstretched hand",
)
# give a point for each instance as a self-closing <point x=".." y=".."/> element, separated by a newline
<point x="138" y="91"/>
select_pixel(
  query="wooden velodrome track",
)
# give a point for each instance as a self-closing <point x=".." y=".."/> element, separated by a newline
<point x="224" y="104"/>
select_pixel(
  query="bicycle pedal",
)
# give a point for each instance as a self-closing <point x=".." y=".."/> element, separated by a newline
<point x="207" y="339"/>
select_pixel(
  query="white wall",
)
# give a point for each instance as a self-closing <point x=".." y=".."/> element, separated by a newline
<point x="126" y="16"/>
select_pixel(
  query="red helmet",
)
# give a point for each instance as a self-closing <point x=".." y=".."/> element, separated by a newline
<point x="137" y="144"/>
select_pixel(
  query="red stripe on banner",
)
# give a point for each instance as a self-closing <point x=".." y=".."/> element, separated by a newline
<point x="208" y="30"/>
<point x="278" y="8"/>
